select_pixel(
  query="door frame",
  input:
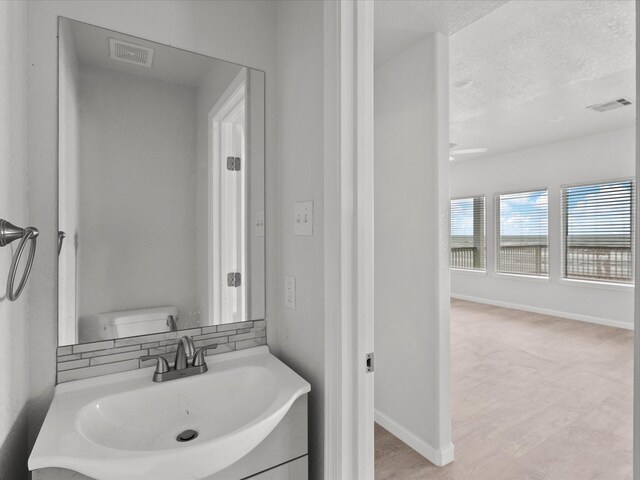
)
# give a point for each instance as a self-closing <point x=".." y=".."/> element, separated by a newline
<point x="348" y="190"/>
<point x="636" y="306"/>
<point x="236" y="92"/>
<point x="349" y="255"/>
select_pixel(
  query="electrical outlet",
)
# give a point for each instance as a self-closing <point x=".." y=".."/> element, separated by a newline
<point x="290" y="292"/>
<point x="303" y="225"/>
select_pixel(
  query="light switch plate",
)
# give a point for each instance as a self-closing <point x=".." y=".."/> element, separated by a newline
<point x="290" y="292"/>
<point x="303" y="225"/>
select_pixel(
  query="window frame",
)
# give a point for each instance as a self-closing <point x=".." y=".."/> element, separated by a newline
<point x="564" y="229"/>
<point x="484" y="233"/>
<point x="497" y="234"/>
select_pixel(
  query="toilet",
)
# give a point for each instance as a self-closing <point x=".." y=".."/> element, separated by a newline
<point x="142" y="321"/>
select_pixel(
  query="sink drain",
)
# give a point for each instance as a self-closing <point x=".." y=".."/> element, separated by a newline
<point x="187" y="436"/>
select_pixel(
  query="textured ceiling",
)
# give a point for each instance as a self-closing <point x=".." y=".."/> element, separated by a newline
<point x="523" y="75"/>
<point x="399" y="24"/>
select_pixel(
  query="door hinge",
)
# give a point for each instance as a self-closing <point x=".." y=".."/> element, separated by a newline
<point x="233" y="164"/>
<point x="371" y="362"/>
<point x="234" y="279"/>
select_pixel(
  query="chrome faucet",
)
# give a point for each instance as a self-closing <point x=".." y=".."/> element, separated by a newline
<point x="186" y="351"/>
<point x="172" y="323"/>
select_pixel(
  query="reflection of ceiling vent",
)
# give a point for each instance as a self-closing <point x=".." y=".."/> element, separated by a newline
<point x="606" y="106"/>
<point x="130" y="52"/>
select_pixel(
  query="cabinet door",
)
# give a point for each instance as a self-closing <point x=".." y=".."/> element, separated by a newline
<point x="297" y="469"/>
<point x="278" y="473"/>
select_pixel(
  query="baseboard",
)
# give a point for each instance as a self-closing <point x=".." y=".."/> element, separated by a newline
<point x="546" y="311"/>
<point x="439" y="457"/>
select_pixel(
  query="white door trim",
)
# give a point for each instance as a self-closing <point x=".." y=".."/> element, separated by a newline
<point x="227" y="106"/>
<point x="636" y="340"/>
<point x="348" y="196"/>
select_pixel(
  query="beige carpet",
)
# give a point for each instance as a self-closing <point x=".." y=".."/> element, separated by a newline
<point x="534" y="397"/>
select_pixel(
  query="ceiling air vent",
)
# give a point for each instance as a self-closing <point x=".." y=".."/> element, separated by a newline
<point x="130" y="52"/>
<point x="613" y="104"/>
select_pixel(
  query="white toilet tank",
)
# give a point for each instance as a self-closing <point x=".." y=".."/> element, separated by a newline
<point x="142" y="321"/>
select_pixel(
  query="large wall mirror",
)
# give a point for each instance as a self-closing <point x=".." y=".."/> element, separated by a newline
<point x="161" y="188"/>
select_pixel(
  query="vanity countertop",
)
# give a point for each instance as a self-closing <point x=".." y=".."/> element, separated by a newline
<point x="126" y="426"/>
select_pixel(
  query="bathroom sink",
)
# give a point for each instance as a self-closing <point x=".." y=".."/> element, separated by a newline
<point x="126" y="426"/>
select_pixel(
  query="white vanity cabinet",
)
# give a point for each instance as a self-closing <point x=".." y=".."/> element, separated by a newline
<point x="294" y="470"/>
<point x="286" y="446"/>
<point x="282" y="455"/>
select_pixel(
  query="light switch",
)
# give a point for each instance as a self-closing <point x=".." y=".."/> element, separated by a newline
<point x="303" y="225"/>
<point x="290" y="292"/>
<point x="259" y="223"/>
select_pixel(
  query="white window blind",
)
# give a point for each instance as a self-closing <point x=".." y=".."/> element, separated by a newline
<point x="468" y="238"/>
<point x="522" y="233"/>
<point x="598" y="231"/>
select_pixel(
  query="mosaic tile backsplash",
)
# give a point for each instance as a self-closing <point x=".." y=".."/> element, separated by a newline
<point x="75" y="362"/>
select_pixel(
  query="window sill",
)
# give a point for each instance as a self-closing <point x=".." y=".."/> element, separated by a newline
<point x="620" y="287"/>
<point x="518" y="276"/>
<point x="464" y="271"/>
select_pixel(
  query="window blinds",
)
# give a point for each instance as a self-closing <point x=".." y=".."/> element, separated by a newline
<point x="598" y="230"/>
<point x="468" y="236"/>
<point x="522" y="233"/>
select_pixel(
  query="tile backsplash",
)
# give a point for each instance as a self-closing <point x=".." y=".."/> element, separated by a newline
<point x="75" y="362"/>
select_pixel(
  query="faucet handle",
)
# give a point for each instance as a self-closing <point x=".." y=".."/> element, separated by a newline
<point x="172" y="323"/>
<point x="198" y="360"/>
<point x="161" y="367"/>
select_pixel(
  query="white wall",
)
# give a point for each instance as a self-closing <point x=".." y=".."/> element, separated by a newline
<point x="255" y="167"/>
<point x="68" y="147"/>
<point x="210" y="28"/>
<point x="296" y="173"/>
<point x="297" y="336"/>
<point x="606" y="156"/>
<point x="13" y="207"/>
<point x="411" y="248"/>
<point x="137" y="210"/>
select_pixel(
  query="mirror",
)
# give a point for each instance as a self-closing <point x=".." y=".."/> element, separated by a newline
<point x="161" y="188"/>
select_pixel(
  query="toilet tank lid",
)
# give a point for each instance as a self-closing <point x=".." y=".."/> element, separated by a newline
<point x="124" y="317"/>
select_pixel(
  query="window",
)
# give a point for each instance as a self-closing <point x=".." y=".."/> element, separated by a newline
<point x="597" y="236"/>
<point x="468" y="233"/>
<point x="522" y="233"/>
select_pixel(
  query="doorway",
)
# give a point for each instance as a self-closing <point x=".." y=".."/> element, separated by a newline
<point x="541" y="285"/>
<point x="227" y="216"/>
